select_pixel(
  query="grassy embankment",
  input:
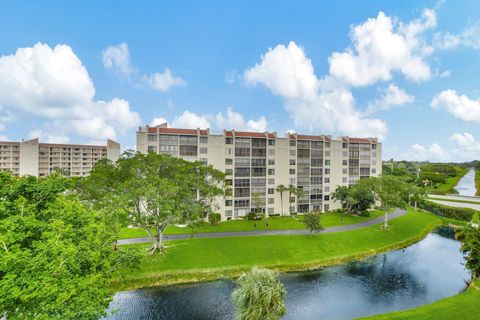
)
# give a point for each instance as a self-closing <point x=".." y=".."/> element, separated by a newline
<point x="455" y="200"/>
<point x="465" y="305"/>
<point x="195" y="260"/>
<point x="274" y="223"/>
<point x="450" y="183"/>
<point x="477" y="181"/>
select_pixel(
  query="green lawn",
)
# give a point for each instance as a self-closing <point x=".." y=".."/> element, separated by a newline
<point x="449" y="185"/>
<point x="455" y="200"/>
<point x="330" y="219"/>
<point x="206" y="259"/>
<point x="464" y="306"/>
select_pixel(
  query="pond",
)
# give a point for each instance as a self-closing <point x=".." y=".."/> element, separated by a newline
<point x="466" y="185"/>
<point x="422" y="273"/>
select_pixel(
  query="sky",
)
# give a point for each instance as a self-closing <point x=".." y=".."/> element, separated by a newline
<point x="406" y="72"/>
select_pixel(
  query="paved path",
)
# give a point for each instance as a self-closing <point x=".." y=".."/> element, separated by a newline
<point x="347" y="227"/>
<point x="457" y="204"/>
<point x="454" y="197"/>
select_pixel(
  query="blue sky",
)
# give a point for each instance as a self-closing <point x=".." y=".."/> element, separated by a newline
<point x="406" y="71"/>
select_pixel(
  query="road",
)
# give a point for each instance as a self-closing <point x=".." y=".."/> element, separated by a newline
<point x="445" y="201"/>
<point x="348" y="227"/>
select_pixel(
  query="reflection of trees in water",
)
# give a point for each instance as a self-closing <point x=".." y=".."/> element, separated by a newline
<point x="382" y="281"/>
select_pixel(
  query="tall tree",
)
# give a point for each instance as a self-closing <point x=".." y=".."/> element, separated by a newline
<point x="56" y="255"/>
<point x="469" y="235"/>
<point x="259" y="295"/>
<point x="281" y="189"/>
<point x="392" y="194"/>
<point x="155" y="190"/>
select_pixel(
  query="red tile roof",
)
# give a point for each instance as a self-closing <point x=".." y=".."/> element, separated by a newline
<point x="246" y="134"/>
<point x="315" y="138"/>
<point x="10" y="142"/>
<point x="363" y="140"/>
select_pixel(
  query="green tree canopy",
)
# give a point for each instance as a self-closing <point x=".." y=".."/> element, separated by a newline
<point x="57" y="257"/>
<point x="311" y="220"/>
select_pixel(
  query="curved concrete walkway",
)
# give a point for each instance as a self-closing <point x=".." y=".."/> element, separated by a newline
<point x="397" y="213"/>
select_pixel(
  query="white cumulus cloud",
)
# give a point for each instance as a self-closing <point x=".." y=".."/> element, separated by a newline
<point x="190" y="120"/>
<point x="162" y="81"/>
<point x="117" y="59"/>
<point x="234" y="120"/>
<point x="391" y="97"/>
<point x="53" y="84"/>
<point x="461" y="106"/>
<point x="381" y="46"/>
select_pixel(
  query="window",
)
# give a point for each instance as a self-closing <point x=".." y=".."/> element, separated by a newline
<point x="374" y="171"/>
<point x="271" y="152"/>
<point x="327" y="180"/>
<point x="292" y="199"/>
<point x="242" y="192"/>
<point x="242" y="172"/>
<point x="271" y="142"/>
<point x="228" y="182"/>
<point x="326" y="207"/>
<point x="345" y="154"/>
<point x="345" y="162"/>
<point x="327" y="153"/>
<point x="258" y="162"/>
<point x="327" y="189"/>
<point x="374" y="154"/>
<point x="271" y="172"/>
<point x="271" y="200"/>
<point x="271" y="190"/>
<point x="326" y="197"/>
<point x="228" y="172"/>
<point x="152" y="149"/>
<point x="228" y="161"/>
<point x="292" y="181"/>
<point x="271" y="162"/>
<point x="228" y="140"/>
<point x="344" y="180"/>
<point x="344" y="171"/>
<point x="204" y="160"/>
<point x="292" y="162"/>
<point x="203" y="150"/>
<point x="228" y="151"/>
<point x="327" y="162"/>
<point x="152" y="137"/>
<point x="271" y="210"/>
<point x="228" y="203"/>
<point x="188" y="150"/>
<point x="242" y="151"/>
<point x="188" y="140"/>
<point x="242" y="182"/>
<point x="327" y="144"/>
<point x="293" y="143"/>
<point x="242" y="203"/>
<point x="327" y="171"/>
<point x="345" y="145"/>
<point x="203" y="139"/>
<point x="374" y="146"/>
<point x="292" y="153"/>
<point x="292" y="171"/>
<point x="271" y="181"/>
<point x="228" y="213"/>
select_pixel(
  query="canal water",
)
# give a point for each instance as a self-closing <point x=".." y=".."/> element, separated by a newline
<point x="427" y="271"/>
<point x="466" y="185"/>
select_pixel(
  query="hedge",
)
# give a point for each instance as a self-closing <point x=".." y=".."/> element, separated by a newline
<point x="457" y="213"/>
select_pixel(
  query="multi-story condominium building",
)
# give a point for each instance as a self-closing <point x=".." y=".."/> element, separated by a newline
<point x="41" y="159"/>
<point x="256" y="163"/>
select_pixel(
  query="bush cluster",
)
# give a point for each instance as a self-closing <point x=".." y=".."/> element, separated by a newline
<point x="448" y="212"/>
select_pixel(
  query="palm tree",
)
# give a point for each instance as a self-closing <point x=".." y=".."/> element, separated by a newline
<point x="259" y="295"/>
<point x="281" y="189"/>
<point x="291" y="190"/>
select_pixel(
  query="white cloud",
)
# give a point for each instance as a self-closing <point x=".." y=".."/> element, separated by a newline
<point x="445" y="74"/>
<point x="48" y="138"/>
<point x="460" y="106"/>
<point x="190" y="120"/>
<point x="117" y="59"/>
<point x="391" y="97"/>
<point x="297" y="78"/>
<point x="465" y="145"/>
<point x="235" y="120"/>
<point x="162" y="81"/>
<point x="4" y="138"/>
<point x="314" y="104"/>
<point x="469" y="38"/>
<point x="446" y="40"/>
<point x="52" y="83"/>
<point x="418" y="152"/>
<point x="157" y="121"/>
<point x="380" y="46"/>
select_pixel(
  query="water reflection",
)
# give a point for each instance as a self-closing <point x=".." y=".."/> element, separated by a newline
<point x="422" y="273"/>
<point x="466" y="185"/>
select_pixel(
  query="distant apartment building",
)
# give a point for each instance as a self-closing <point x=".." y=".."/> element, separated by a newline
<point x="256" y="163"/>
<point x="41" y="159"/>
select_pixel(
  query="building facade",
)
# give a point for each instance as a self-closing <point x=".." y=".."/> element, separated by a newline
<point x="256" y="163"/>
<point x="41" y="159"/>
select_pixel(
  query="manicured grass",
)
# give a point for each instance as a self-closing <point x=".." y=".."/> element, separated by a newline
<point x="206" y="259"/>
<point x="449" y="185"/>
<point x="330" y="219"/>
<point x="477" y="181"/>
<point x="455" y="200"/>
<point x="464" y="306"/>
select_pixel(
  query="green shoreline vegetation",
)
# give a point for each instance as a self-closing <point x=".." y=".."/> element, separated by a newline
<point x="449" y="185"/>
<point x="464" y="305"/>
<point x="196" y="260"/>
<point x="330" y="219"/>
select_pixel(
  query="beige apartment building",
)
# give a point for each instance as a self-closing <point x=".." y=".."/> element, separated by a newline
<point x="41" y="159"/>
<point x="256" y="163"/>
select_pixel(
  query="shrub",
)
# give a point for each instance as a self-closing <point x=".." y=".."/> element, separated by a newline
<point x="214" y="218"/>
<point x="464" y="214"/>
<point x="251" y="216"/>
<point x="364" y="213"/>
